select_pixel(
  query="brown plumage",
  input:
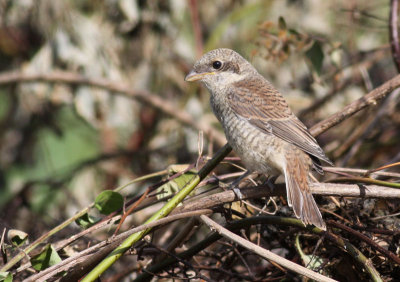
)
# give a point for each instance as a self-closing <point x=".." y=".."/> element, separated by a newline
<point x="261" y="128"/>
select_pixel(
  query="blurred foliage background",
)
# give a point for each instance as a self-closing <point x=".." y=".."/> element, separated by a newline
<point x="63" y="143"/>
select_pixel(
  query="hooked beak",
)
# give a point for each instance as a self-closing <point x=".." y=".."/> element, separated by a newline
<point x="194" y="76"/>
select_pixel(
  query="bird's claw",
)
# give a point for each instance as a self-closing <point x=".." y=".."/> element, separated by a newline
<point x="237" y="192"/>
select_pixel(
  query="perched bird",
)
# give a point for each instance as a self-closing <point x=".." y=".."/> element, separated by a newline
<point x="261" y="128"/>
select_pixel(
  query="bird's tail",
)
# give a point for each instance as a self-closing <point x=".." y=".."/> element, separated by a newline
<point x="298" y="191"/>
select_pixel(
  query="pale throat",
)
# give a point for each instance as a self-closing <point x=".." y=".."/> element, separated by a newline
<point x="222" y="81"/>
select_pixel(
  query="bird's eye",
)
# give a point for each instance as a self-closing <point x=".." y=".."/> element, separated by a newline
<point x="217" y="65"/>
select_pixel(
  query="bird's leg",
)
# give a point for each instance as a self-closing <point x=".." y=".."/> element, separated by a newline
<point x="271" y="181"/>
<point x="235" y="184"/>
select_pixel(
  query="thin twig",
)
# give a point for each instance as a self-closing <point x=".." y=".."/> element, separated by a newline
<point x="361" y="171"/>
<point x="382" y="168"/>
<point x="163" y="212"/>
<point x="131" y="209"/>
<point x="273" y="220"/>
<point x="371" y="124"/>
<point x="364" y="238"/>
<point x="263" y="252"/>
<point x="366" y="180"/>
<point x="64" y="265"/>
<point x="119" y="88"/>
<point x="369" y="99"/>
<point x="155" y="101"/>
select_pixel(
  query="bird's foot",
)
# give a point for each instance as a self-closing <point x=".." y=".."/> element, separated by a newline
<point x="237" y="192"/>
<point x="235" y="185"/>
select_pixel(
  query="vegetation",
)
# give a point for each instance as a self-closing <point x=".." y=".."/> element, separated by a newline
<point x="112" y="165"/>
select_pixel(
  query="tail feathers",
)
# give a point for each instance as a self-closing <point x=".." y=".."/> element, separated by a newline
<point x="299" y="195"/>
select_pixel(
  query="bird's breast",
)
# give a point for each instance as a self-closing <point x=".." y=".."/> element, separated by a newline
<point x="259" y="151"/>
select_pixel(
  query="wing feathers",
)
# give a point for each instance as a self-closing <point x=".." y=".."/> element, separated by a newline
<point x="266" y="109"/>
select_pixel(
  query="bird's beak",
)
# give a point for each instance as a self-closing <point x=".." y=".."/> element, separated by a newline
<point x="194" y="76"/>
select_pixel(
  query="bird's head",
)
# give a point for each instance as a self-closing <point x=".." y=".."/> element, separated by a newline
<point x="220" y="67"/>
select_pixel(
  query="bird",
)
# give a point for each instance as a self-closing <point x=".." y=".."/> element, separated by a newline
<point x="261" y="128"/>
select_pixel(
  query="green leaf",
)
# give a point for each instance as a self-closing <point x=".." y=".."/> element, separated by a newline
<point x="173" y="186"/>
<point x="316" y="56"/>
<point x="109" y="201"/>
<point x="86" y="221"/>
<point x="184" y="178"/>
<point x="17" y="237"/>
<point x="6" y="277"/>
<point x="46" y="258"/>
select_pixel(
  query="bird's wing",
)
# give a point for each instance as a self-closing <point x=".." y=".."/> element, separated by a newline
<point x="266" y="109"/>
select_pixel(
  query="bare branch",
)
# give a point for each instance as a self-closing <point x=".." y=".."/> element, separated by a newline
<point x="118" y="88"/>
<point x="111" y="243"/>
<point x="370" y="99"/>
<point x="263" y="252"/>
<point x="325" y="189"/>
<point x="369" y="241"/>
